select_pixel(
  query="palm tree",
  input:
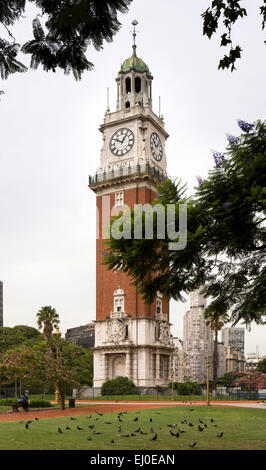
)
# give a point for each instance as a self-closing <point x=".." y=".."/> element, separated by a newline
<point x="48" y="319"/>
<point x="216" y="321"/>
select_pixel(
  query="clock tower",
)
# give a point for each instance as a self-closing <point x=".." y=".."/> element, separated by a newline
<point x="132" y="338"/>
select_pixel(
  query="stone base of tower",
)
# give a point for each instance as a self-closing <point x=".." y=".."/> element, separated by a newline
<point x="146" y="362"/>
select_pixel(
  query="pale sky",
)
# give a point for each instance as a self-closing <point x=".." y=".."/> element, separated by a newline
<point x="50" y="143"/>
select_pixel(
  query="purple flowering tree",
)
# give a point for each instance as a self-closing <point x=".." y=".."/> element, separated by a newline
<point x="226" y="236"/>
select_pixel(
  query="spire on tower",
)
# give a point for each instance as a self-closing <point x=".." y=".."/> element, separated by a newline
<point x="134" y="23"/>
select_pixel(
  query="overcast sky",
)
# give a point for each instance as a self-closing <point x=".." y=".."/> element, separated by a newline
<point x="50" y="143"/>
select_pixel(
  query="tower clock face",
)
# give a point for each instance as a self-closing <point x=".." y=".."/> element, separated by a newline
<point x="121" y="142"/>
<point x="156" y="147"/>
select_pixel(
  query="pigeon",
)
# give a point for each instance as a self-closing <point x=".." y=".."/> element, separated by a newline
<point x="80" y="429"/>
<point x="151" y="431"/>
<point x="173" y="434"/>
<point x="21" y="422"/>
<point x="137" y="430"/>
<point x="191" y="409"/>
<point x="36" y="419"/>
<point x="192" y="444"/>
<point x="96" y="419"/>
<point x="95" y="432"/>
<point x="89" y="416"/>
<point x="133" y="434"/>
<point x="200" y="428"/>
<point x="112" y="441"/>
<point x="119" y="429"/>
<point x="212" y="420"/>
<point x="67" y="428"/>
<point x="141" y="432"/>
<point x="201" y="422"/>
<point x="28" y="422"/>
<point x="107" y="422"/>
<point x="190" y="424"/>
<point x="91" y="426"/>
<point x="150" y="420"/>
<point x="172" y="426"/>
<point x="215" y="425"/>
<point x="26" y="426"/>
<point x="136" y="419"/>
<point x="158" y="412"/>
<point x="60" y="431"/>
<point x="205" y="425"/>
<point x="71" y="417"/>
<point x="181" y="431"/>
<point x="89" y="438"/>
<point x="125" y="435"/>
<point x="220" y="435"/>
<point x="154" y="437"/>
<point x="100" y="414"/>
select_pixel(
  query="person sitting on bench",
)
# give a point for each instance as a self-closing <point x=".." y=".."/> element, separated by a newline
<point x="23" y="401"/>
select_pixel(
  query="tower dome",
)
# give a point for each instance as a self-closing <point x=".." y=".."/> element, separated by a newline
<point x="135" y="63"/>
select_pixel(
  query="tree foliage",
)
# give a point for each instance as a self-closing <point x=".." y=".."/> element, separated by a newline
<point x="226" y="236"/>
<point x="251" y="381"/>
<point x="18" y="335"/>
<point x="262" y="366"/>
<point x="47" y="319"/>
<point x="62" y="32"/>
<point x="227" y="13"/>
<point x="188" y="388"/>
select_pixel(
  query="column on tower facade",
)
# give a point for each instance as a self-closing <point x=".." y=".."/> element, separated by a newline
<point x="128" y="365"/>
<point x="170" y="368"/>
<point x="105" y="374"/>
<point x="118" y="94"/>
<point x="157" y="365"/>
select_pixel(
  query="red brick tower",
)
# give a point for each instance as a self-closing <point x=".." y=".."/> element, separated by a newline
<point x="131" y="338"/>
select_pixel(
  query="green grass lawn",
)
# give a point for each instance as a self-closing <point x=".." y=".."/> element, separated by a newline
<point x="244" y="429"/>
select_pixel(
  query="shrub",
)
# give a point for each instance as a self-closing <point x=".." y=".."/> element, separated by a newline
<point x="119" y="386"/>
<point x="32" y="403"/>
<point x="40" y="404"/>
<point x="8" y="401"/>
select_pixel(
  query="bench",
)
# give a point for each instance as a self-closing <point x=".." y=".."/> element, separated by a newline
<point x="15" y="408"/>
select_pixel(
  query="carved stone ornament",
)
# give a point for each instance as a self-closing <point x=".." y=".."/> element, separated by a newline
<point x="115" y="331"/>
<point x="164" y="333"/>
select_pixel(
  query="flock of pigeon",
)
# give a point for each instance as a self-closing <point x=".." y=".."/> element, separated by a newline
<point x="174" y="429"/>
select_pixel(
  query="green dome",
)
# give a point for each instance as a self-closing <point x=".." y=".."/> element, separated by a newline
<point x="134" y="63"/>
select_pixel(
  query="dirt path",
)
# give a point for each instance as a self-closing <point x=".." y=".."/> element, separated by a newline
<point x="54" y="413"/>
<point x="107" y="407"/>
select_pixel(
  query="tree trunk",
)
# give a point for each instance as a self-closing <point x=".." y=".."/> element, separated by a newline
<point x="62" y="398"/>
<point x="215" y="360"/>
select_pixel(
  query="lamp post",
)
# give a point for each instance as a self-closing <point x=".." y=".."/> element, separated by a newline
<point x="207" y="380"/>
<point x="57" y="392"/>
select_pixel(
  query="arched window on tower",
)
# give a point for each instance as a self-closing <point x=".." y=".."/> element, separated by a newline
<point x="137" y="84"/>
<point x="128" y="104"/>
<point x="128" y="85"/>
